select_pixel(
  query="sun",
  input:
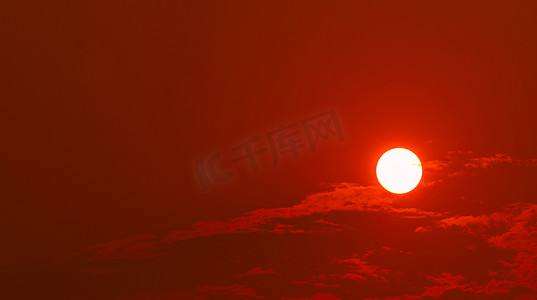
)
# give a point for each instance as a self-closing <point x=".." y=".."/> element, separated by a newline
<point x="399" y="170"/>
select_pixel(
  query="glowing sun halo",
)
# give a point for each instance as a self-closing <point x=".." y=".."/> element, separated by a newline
<point x="399" y="170"/>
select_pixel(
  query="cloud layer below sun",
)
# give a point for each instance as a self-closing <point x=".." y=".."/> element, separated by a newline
<point x="348" y="242"/>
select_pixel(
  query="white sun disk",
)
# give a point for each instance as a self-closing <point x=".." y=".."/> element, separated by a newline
<point x="399" y="170"/>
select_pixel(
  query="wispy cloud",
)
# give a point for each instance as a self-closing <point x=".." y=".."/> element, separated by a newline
<point x="318" y="296"/>
<point x="260" y="271"/>
<point x="512" y="229"/>
<point x="498" y="158"/>
<point x="204" y="292"/>
<point x="340" y="197"/>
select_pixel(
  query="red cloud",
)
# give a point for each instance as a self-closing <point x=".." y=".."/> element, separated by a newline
<point x="135" y="247"/>
<point x="237" y="291"/>
<point x="205" y="292"/>
<point x="487" y="161"/>
<point x="443" y="283"/>
<point x="259" y="271"/>
<point x="318" y="296"/>
<point x="518" y="225"/>
<point x="520" y="235"/>
<point x="361" y="267"/>
<point x="498" y="158"/>
<point x="341" y="197"/>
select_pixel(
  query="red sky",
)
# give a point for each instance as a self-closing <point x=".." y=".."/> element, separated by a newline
<point x="109" y="106"/>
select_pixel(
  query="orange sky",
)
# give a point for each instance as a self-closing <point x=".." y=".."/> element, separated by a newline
<point x="108" y="107"/>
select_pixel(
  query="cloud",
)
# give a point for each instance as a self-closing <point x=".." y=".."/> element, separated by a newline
<point x="204" y="292"/>
<point x="448" y="286"/>
<point x="498" y="158"/>
<point x="186" y="295"/>
<point x="487" y="161"/>
<point x="518" y="232"/>
<point x="361" y="267"/>
<point x="521" y="237"/>
<point x="340" y="197"/>
<point x="237" y="291"/>
<point x="318" y="296"/>
<point x="321" y="221"/>
<point x="436" y="165"/>
<point x="443" y="283"/>
<point x="337" y="197"/>
<point x="512" y="229"/>
<point x="355" y="268"/>
<point x="463" y="163"/>
<point x="260" y="271"/>
<point x="136" y="247"/>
